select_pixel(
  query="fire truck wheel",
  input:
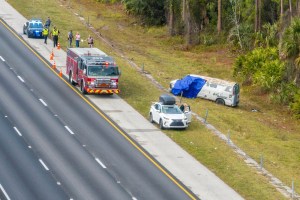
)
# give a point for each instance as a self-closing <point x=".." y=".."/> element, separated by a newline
<point x="82" y="88"/>
<point x="71" y="79"/>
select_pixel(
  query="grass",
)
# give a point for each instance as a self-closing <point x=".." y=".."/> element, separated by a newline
<point x="270" y="132"/>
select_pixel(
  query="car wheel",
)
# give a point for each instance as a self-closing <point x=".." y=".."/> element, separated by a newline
<point x="161" y="125"/>
<point x="151" y="118"/>
<point x="220" y="101"/>
<point x="83" y="91"/>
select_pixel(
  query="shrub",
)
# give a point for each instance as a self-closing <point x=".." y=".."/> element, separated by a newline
<point x="295" y="105"/>
<point x="261" y="66"/>
<point x="285" y="93"/>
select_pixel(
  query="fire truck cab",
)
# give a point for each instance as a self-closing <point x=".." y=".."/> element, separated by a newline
<point x="92" y="70"/>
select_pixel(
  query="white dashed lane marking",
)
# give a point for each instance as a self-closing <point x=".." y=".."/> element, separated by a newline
<point x="2" y="59"/>
<point x="43" y="102"/>
<point x="4" y="192"/>
<point x="19" y="133"/>
<point x="19" y="77"/>
<point x="68" y="129"/>
<point x="100" y="163"/>
<point x="44" y="165"/>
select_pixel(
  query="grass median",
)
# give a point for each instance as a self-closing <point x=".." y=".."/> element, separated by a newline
<point x="271" y="132"/>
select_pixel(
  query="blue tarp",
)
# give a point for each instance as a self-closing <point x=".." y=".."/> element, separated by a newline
<point x="190" y="86"/>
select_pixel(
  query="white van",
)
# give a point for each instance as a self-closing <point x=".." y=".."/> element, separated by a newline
<point x="221" y="91"/>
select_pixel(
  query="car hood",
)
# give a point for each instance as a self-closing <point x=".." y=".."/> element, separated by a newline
<point x="173" y="116"/>
<point x="35" y="29"/>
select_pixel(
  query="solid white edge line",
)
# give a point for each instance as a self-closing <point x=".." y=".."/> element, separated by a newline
<point x="2" y="59"/>
<point x="21" y="79"/>
<point x="4" y="192"/>
<point x="20" y="134"/>
<point x="100" y="163"/>
<point x="68" y="129"/>
<point x="44" y="165"/>
<point x="43" y="102"/>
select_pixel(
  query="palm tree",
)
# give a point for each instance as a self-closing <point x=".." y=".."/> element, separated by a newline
<point x="219" y="16"/>
<point x="290" y="50"/>
<point x="171" y="19"/>
<point x="257" y="15"/>
<point x="281" y="8"/>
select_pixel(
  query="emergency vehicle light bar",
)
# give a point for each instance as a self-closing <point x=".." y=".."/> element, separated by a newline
<point x="90" y="54"/>
<point x="99" y="63"/>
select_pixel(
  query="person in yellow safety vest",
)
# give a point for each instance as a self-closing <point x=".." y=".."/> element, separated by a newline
<point x="55" y="33"/>
<point x="45" y="34"/>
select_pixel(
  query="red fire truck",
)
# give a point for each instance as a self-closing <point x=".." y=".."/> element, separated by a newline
<point x="93" y="71"/>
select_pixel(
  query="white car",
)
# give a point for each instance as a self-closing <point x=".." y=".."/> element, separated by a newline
<point x="168" y="116"/>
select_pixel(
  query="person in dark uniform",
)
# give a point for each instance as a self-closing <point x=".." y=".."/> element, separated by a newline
<point x="48" y="23"/>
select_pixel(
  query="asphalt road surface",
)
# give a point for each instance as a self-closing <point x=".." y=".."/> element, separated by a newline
<point x="54" y="144"/>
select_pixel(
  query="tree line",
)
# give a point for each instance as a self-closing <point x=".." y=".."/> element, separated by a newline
<point x="266" y="33"/>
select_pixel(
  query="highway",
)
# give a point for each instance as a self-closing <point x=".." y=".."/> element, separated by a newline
<point x="55" y="144"/>
<point x="19" y="164"/>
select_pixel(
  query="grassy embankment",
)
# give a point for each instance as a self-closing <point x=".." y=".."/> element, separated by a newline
<point x="270" y="132"/>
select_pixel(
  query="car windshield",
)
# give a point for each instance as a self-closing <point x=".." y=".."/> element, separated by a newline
<point x="35" y="25"/>
<point x="103" y="71"/>
<point x="171" y="110"/>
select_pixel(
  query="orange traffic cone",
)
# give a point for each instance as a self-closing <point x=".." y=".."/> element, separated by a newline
<point x="51" y="56"/>
<point x="54" y="65"/>
<point x="58" y="45"/>
<point x="60" y="73"/>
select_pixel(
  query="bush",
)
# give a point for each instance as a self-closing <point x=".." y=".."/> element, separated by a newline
<point x="261" y="66"/>
<point x="285" y="94"/>
<point x="270" y="75"/>
<point x="295" y="105"/>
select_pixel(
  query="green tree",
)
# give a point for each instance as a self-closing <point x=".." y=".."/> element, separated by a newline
<point x="290" y="49"/>
<point x="151" y="12"/>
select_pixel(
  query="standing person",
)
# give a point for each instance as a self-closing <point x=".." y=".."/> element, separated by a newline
<point x="45" y="34"/>
<point x="90" y="41"/>
<point x="70" y="38"/>
<point x="77" y="38"/>
<point x="48" y="23"/>
<point x="55" y="33"/>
